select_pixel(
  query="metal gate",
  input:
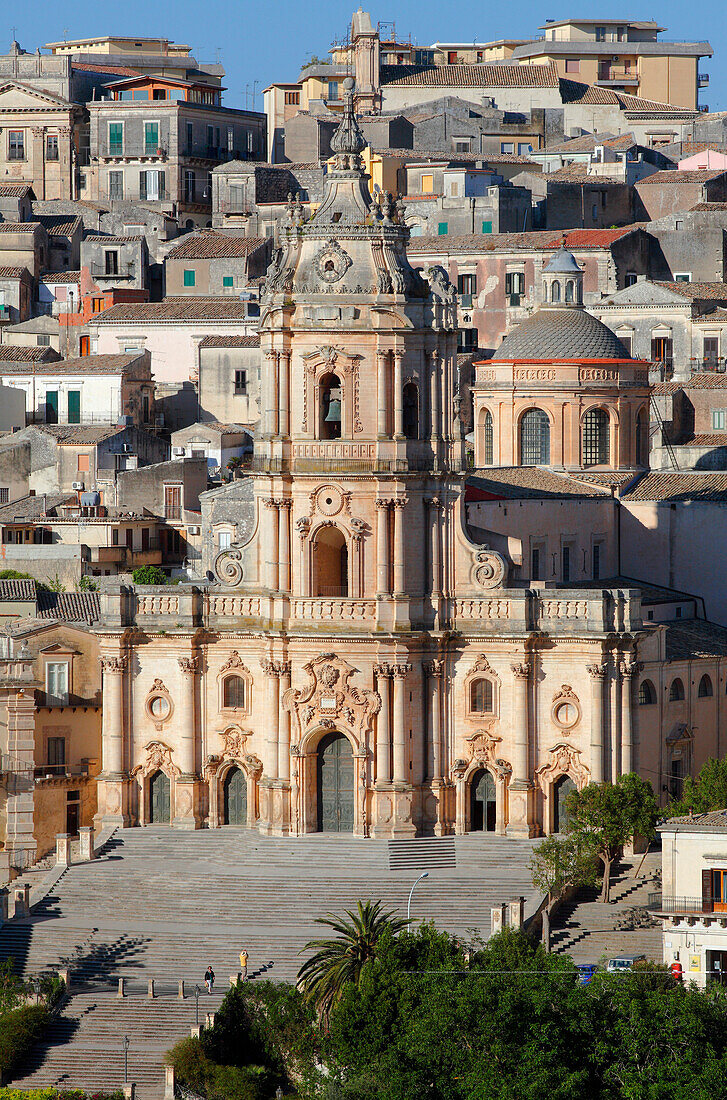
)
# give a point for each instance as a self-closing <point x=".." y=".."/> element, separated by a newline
<point x="235" y="797"/>
<point x="484" y="805"/>
<point x="335" y="785"/>
<point x="159" y="799"/>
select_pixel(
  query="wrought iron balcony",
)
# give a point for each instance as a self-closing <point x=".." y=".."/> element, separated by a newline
<point x="677" y="906"/>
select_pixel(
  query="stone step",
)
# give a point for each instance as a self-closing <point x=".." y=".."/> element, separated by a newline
<point x="420" y="855"/>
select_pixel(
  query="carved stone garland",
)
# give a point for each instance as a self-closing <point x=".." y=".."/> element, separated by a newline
<point x="330" y="702"/>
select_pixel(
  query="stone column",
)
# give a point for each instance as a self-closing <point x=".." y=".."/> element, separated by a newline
<point x="435" y="556"/>
<point x="433" y="670"/>
<point x="383" y="729"/>
<point x="270" y="547"/>
<point x="598" y="676"/>
<point x="272" y="725"/>
<point x="398" y="504"/>
<point x="185" y="723"/>
<point x="434" y="390"/>
<point x="284" y="394"/>
<point x="382" y="547"/>
<point x="356" y="586"/>
<point x="303" y="528"/>
<point x="401" y="755"/>
<point x="270" y="409"/>
<point x="382" y="359"/>
<point x="284" y="506"/>
<point x="113" y="716"/>
<point x="519" y="824"/>
<point x="628" y="670"/>
<point x="284" y="742"/>
<point x="520" y="723"/>
<point x="398" y="394"/>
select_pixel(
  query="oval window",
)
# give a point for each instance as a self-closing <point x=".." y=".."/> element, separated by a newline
<point x="159" y="707"/>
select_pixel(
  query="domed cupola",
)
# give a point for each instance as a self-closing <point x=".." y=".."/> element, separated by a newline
<point x="563" y="279"/>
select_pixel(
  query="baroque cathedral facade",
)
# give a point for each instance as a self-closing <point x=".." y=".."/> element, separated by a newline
<point x="358" y="662"/>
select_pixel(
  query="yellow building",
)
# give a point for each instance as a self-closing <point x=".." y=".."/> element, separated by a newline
<point x="624" y="56"/>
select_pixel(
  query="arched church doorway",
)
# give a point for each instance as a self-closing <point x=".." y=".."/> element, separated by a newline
<point x="335" y="785"/>
<point x="483" y="811"/>
<point x="330" y="563"/>
<point x="561" y="789"/>
<point x="234" y="797"/>
<point x="160" y="799"/>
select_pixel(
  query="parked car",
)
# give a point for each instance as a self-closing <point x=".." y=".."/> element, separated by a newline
<point x="624" y="963"/>
<point x="585" y="972"/>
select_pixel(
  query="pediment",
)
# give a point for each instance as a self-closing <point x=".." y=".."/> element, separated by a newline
<point x="15" y="96"/>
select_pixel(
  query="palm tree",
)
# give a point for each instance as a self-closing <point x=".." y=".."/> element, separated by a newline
<point x="337" y="961"/>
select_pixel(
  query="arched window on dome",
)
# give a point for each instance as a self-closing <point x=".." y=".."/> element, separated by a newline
<point x="233" y="693"/>
<point x="555" y="291"/>
<point x="487" y="440"/>
<point x="596" y="431"/>
<point x="482" y="696"/>
<point x="535" y="438"/>
<point x="570" y="291"/>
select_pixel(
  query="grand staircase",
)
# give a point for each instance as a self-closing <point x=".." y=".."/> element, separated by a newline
<point x="590" y="931"/>
<point x="164" y="904"/>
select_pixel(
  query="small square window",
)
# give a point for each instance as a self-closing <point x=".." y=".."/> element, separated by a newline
<point x="443" y="229"/>
<point x="189" y="278"/>
<point x="487" y="227"/>
<point x="718" y="420"/>
<point x="507" y="146"/>
<point x="682" y="276"/>
<point x="228" y="280"/>
<point x="4" y="495"/>
<point x="43" y="341"/>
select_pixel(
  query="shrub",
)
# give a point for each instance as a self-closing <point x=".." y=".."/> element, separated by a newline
<point x="149" y="574"/>
<point x="19" y="1030"/>
<point x="197" y="1071"/>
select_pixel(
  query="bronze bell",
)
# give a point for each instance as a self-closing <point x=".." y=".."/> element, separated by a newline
<point x="334" y="411"/>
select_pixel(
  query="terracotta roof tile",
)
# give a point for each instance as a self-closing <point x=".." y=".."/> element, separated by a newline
<point x="88" y="434"/>
<point x="87" y="364"/>
<point x="181" y="308"/>
<point x="33" y="507"/>
<point x="690" y="638"/>
<point x="14" y="190"/>
<point x="572" y="91"/>
<point x="14" y="273"/>
<point x="674" y="486"/>
<point x="230" y="342"/>
<point x="699" y="175"/>
<point x="706" y="439"/>
<point x="19" y="227"/>
<point x="537" y="240"/>
<point x="698" y="291"/>
<point x="15" y="589"/>
<point x="705" y="380"/>
<point x="70" y="607"/>
<point x="523" y="482"/>
<point x="102" y="238"/>
<point x="579" y="173"/>
<point x="60" y="277"/>
<point x="212" y="246"/>
<point x="471" y="76"/>
<point x="706" y="207"/>
<point x="11" y="353"/>
<point x="60" y="225"/>
<point x="115" y="70"/>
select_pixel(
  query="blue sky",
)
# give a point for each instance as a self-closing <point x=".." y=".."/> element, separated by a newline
<point x="267" y="41"/>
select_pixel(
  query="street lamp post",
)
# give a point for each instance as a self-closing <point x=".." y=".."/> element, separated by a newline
<point x="126" y="1042"/>
<point x="425" y="874"/>
<point x="196" y="1004"/>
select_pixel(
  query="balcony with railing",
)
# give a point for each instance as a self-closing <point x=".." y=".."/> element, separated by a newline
<point x="703" y="80"/>
<point x="670" y="905"/>
<point x="712" y="363"/>
<point x="71" y="771"/>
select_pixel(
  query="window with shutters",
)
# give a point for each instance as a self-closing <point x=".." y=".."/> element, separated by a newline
<point x="172" y="501"/>
<point x="56" y="682"/>
<point x="116" y="185"/>
<point x="116" y="139"/>
<point x="151" y="138"/>
<point x="57" y="753"/>
<point x="717" y="894"/>
<point x="240" y="382"/>
<point x="16" y="145"/>
<point x="189" y="278"/>
<point x="111" y="261"/>
<point x="481" y="696"/>
<point x="51" y="147"/>
<point x="234" y="693"/>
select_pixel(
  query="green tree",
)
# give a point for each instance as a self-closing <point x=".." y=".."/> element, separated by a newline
<point x="149" y="574"/>
<point x="606" y="815"/>
<point x="707" y="792"/>
<point x="338" y="961"/>
<point x="87" y="584"/>
<point x="559" y="863"/>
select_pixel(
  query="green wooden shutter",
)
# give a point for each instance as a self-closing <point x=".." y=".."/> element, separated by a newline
<point x="487" y="227"/>
<point x="189" y="278"/>
<point x="116" y="138"/>
<point x="74" y="406"/>
<point x="443" y="229"/>
<point x="51" y="406"/>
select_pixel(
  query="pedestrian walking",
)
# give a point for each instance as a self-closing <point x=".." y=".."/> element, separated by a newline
<point x="209" y="979"/>
<point x="243" y="966"/>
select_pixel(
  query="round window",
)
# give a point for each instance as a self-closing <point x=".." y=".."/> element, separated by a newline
<point x="159" y="707"/>
<point x="566" y="714"/>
